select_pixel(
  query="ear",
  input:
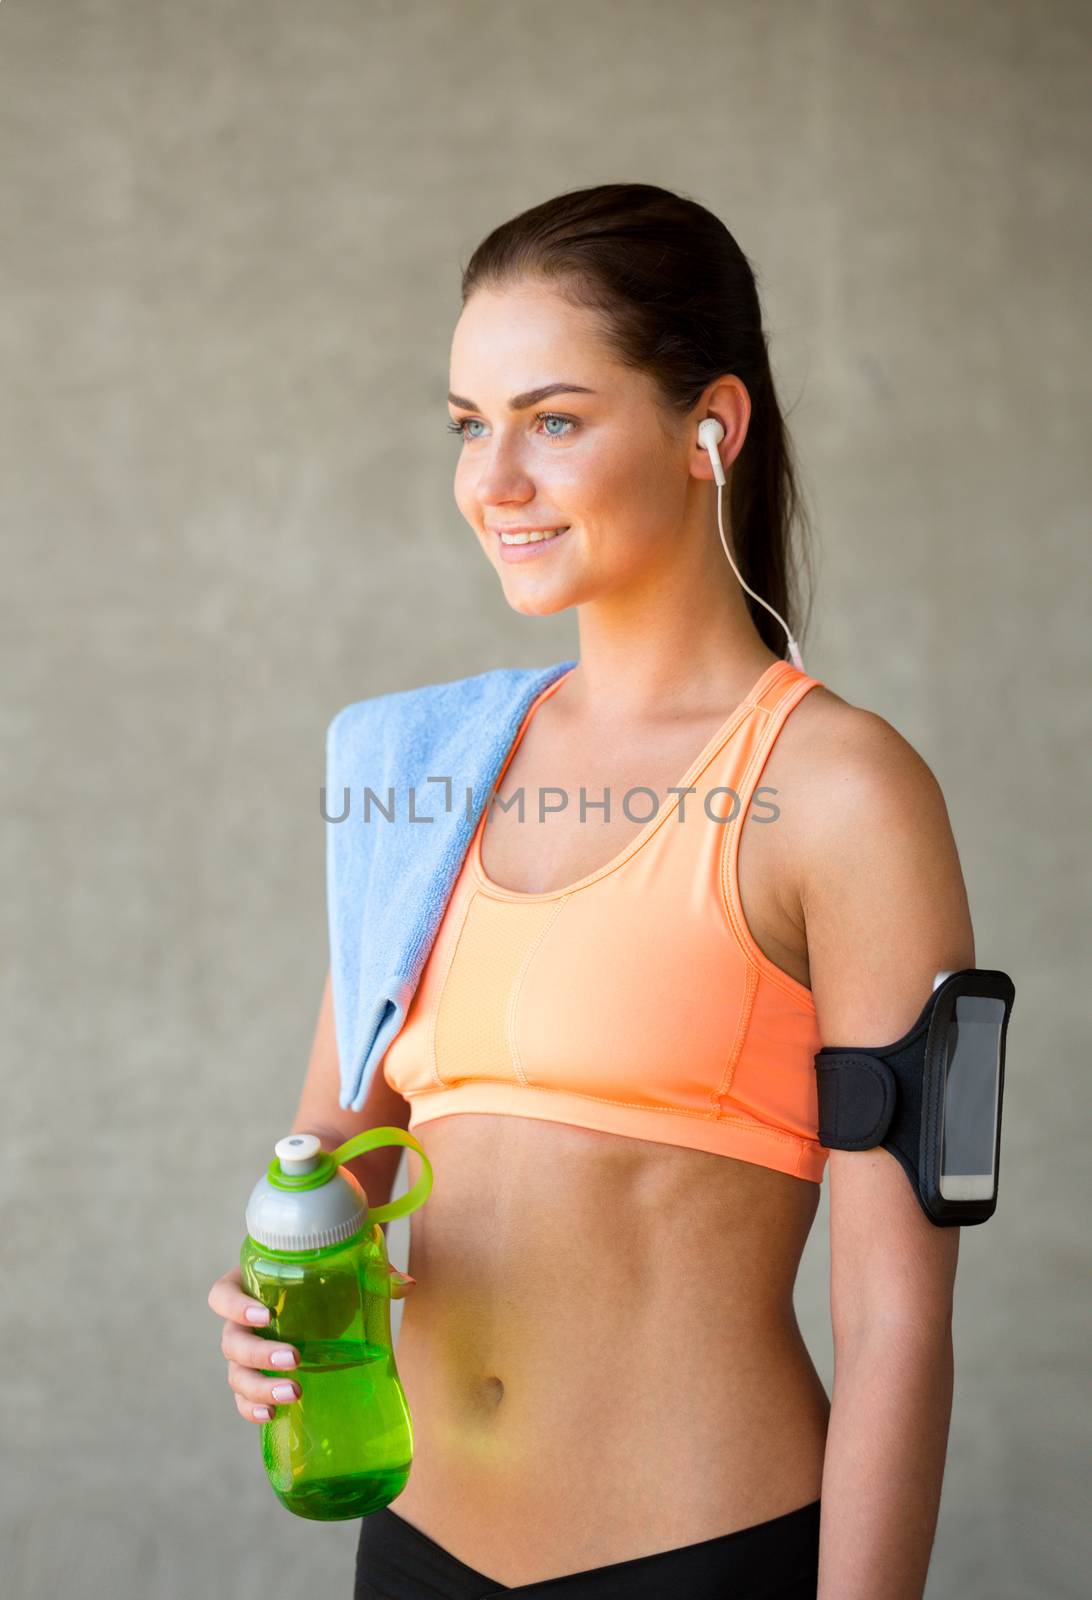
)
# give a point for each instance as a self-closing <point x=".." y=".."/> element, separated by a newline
<point x="727" y="400"/>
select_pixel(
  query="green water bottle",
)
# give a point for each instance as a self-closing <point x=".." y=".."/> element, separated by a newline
<point x="316" y="1256"/>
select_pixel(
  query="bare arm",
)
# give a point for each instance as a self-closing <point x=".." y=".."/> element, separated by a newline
<point x="885" y="909"/>
<point x="320" y="1113"/>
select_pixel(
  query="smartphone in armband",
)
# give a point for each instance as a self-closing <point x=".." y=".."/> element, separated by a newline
<point x="933" y="1098"/>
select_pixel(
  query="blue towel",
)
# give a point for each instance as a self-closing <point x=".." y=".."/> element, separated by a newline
<point x="388" y="879"/>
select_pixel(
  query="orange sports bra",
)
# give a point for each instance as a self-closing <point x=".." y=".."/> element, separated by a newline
<point x="634" y="1001"/>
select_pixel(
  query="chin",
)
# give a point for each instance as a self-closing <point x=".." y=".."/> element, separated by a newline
<point x="539" y="605"/>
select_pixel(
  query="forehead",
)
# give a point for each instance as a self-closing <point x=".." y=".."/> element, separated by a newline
<point x="524" y="335"/>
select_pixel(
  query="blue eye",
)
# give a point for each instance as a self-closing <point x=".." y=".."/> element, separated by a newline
<point x="540" y="416"/>
<point x="461" y="427"/>
<point x="552" y="416"/>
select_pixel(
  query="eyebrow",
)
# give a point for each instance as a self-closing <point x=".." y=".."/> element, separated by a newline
<point x="520" y="402"/>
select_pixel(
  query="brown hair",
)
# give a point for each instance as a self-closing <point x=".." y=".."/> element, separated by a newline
<point x="677" y="300"/>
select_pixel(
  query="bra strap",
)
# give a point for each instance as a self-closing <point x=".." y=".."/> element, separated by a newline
<point x="776" y="702"/>
<point x="786" y="688"/>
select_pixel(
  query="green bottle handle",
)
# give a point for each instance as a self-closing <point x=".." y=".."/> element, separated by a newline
<point x="376" y="1139"/>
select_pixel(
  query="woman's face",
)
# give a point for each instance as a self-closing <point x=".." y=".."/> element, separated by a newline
<point x="605" y="464"/>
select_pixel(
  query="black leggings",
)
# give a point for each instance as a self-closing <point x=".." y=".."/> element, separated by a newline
<point x="774" y="1560"/>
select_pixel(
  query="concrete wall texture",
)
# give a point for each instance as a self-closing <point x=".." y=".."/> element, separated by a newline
<point x="229" y="262"/>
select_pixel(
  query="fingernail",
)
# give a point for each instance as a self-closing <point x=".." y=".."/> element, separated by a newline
<point x="283" y="1358"/>
<point x="263" y="1413"/>
<point x="257" y="1313"/>
<point x="284" y="1391"/>
<point x="401" y="1277"/>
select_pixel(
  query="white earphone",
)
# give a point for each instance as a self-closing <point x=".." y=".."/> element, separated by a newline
<point x="710" y="433"/>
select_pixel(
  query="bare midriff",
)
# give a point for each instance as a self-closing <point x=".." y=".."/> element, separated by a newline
<point x="601" y="1355"/>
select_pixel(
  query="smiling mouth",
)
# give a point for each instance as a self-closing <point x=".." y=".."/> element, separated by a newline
<point x="536" y="536"/>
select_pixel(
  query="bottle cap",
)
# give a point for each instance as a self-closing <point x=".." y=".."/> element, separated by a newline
<point x="305" y="1218"/>
<point x="308" y="1201"/>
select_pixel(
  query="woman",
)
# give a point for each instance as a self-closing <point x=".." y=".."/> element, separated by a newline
<point x="610" y="1381"/>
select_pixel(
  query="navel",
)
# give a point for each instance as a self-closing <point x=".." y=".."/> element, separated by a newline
<point x="493" y="1390"/>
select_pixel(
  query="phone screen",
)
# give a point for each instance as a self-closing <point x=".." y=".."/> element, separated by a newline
<point x="970" y="1090"/>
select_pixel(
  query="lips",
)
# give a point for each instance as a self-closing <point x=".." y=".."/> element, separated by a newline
<point x="527" y="549"/>
<point x="543" y="528"/>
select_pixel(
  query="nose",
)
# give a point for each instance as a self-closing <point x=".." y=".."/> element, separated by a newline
<point x="502" y="476"/>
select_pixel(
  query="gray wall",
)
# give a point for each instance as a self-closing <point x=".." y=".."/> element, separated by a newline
<point x="229" y="256"/>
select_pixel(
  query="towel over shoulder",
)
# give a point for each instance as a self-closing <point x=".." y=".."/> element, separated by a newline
<point x="407" y="777"/>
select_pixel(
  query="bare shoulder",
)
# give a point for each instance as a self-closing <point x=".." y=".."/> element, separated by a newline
<point x="874" y="862"/>
<point x="846" y="763"/>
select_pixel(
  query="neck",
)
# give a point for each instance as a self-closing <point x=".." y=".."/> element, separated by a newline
<point x="680" y="643"/>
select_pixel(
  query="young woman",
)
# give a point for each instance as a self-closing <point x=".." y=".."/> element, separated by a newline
<point x="610" y="1392"/>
